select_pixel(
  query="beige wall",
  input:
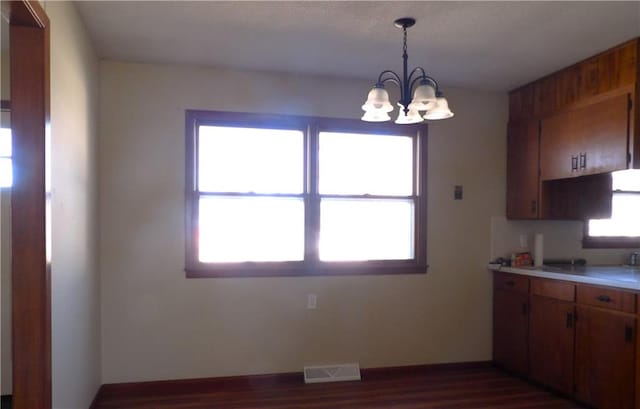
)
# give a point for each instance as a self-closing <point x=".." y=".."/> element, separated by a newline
<point x="5" y="89"/>
<point x="561" y="240"/>
<point x="156" y="324"/>
<point x="74" y="274"/>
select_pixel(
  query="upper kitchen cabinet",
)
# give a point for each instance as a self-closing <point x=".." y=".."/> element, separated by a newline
<point x="522" y="170"/>
<point x="585" y="141"/>
<point x="577" y="122"/>
<point x="613" y="71"/>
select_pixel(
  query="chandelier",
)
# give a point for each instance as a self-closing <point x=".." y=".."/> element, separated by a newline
<point x="427" y="96"/>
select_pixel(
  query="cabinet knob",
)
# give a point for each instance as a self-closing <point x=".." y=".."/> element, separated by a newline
<point x="604" y="298"/>
<point x="628" y="333"/>
<point x="569" y="320"/>
<point x="534" y="206"/>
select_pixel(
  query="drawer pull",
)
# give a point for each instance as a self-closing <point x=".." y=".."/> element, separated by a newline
<point x="509" y="283"/>
<point x="628" y="334"/>
<point x="604" y="298"/>
<point x="574" y="163"/>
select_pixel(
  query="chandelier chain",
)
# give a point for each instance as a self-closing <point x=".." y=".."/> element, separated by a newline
<point x="404" y="47"/>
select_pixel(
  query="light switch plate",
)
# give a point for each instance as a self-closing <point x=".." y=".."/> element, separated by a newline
<point x="312" y="301"/>
<point x="457" y="192"/>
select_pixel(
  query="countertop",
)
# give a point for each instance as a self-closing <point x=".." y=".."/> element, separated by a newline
<point x="620" y="276"/>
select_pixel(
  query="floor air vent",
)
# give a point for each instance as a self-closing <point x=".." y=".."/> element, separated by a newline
<point x="331" y="373"/>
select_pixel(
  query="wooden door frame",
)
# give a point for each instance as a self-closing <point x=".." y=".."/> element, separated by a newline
<point x="30" y="264"/>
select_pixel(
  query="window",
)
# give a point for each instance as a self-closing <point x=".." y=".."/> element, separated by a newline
<point x="623" y="228"/>
<point x="6" y="169"/>
<point x="285" y="195"/>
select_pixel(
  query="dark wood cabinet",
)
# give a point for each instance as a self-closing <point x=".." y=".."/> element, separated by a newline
<point x="605" y="358"/>
<point x="510" y="323"/>
<point x="590" y="140"/>
<point x="522" y="170"/>
<point x="552" y="334"/>
<point x="581" y="198"/>
<point x="575" y="338"/>
<point x="587" y="115"/>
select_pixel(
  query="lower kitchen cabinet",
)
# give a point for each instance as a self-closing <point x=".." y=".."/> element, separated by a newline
<point x="578" y="339"/>
<point x="551" y="340"/>
<point x="605" y="358"/>
<point x="510" y="323"/>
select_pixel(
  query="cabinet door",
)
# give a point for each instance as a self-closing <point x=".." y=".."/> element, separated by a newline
<point x="585" y="141"/>
<point x="522" y="170"/>
<point x="510" y="330"/>
<point x="605" y="147"/>
<point x="605" y="358"/>
<point x="551" y="338"/>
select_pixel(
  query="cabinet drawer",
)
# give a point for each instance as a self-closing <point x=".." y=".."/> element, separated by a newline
<point x="511" y="282"/>
<point x="557" y="290"/>
<point x="608" y="298"/>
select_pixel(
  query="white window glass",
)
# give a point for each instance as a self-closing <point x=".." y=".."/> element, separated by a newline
<point x="359" y="164"/>
<point x="628" y="180"/>
<point x="5" y="142"/>
<point x="625" y="218"/>
<point x="6" y="169"/>
<point x="6" y="172"/>
<point x="250" y="160"/>
<point x="366" y="229"/>
<point x="625" y="208"/>
<point x="237" y="229"/>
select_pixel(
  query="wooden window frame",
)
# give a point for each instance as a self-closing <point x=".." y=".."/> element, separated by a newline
<point x="610" y="242"/>
<point x="310" y="266"/>
<point x="29" y="58"/>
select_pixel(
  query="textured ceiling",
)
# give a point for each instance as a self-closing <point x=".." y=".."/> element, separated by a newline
<point x="484" y="45"/>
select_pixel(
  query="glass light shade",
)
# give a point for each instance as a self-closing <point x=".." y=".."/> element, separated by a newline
<point x="375" y="116"/>
<point x="439" y="111"/>
<point x="424" y="97"/>
<point x="413" y="117"/>
<point x="377" y="100"/>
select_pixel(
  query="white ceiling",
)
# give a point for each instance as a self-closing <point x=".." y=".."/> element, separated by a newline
<point x="484" y="45"/>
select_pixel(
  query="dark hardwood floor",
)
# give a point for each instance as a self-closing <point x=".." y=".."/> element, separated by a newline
<point x="447" y="388"/>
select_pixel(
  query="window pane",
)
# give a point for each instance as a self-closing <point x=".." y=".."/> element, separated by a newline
<point x="365" y="164"/>
<point x="5" y="142"/>
<point x="626" y="180"/>
<point x="250" y="160"/>
<point x="625" y="218"/>
<point x="6" y="172"/>
<point x="235" y="229"/>
<point x="366" y="229"/>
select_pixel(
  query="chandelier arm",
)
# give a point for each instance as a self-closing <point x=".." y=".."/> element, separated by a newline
<point x="416" y="70"/>
<point x="423" y="78"/>
<point x="435" y="83"/>
<point x="394" y="78"/>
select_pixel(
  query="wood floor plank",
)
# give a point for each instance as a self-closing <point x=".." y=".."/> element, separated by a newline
<point x="463" y="388"/>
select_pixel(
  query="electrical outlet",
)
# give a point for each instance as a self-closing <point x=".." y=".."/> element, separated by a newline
<point x="524" y="241"/>
<point x="312" y="301"/>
